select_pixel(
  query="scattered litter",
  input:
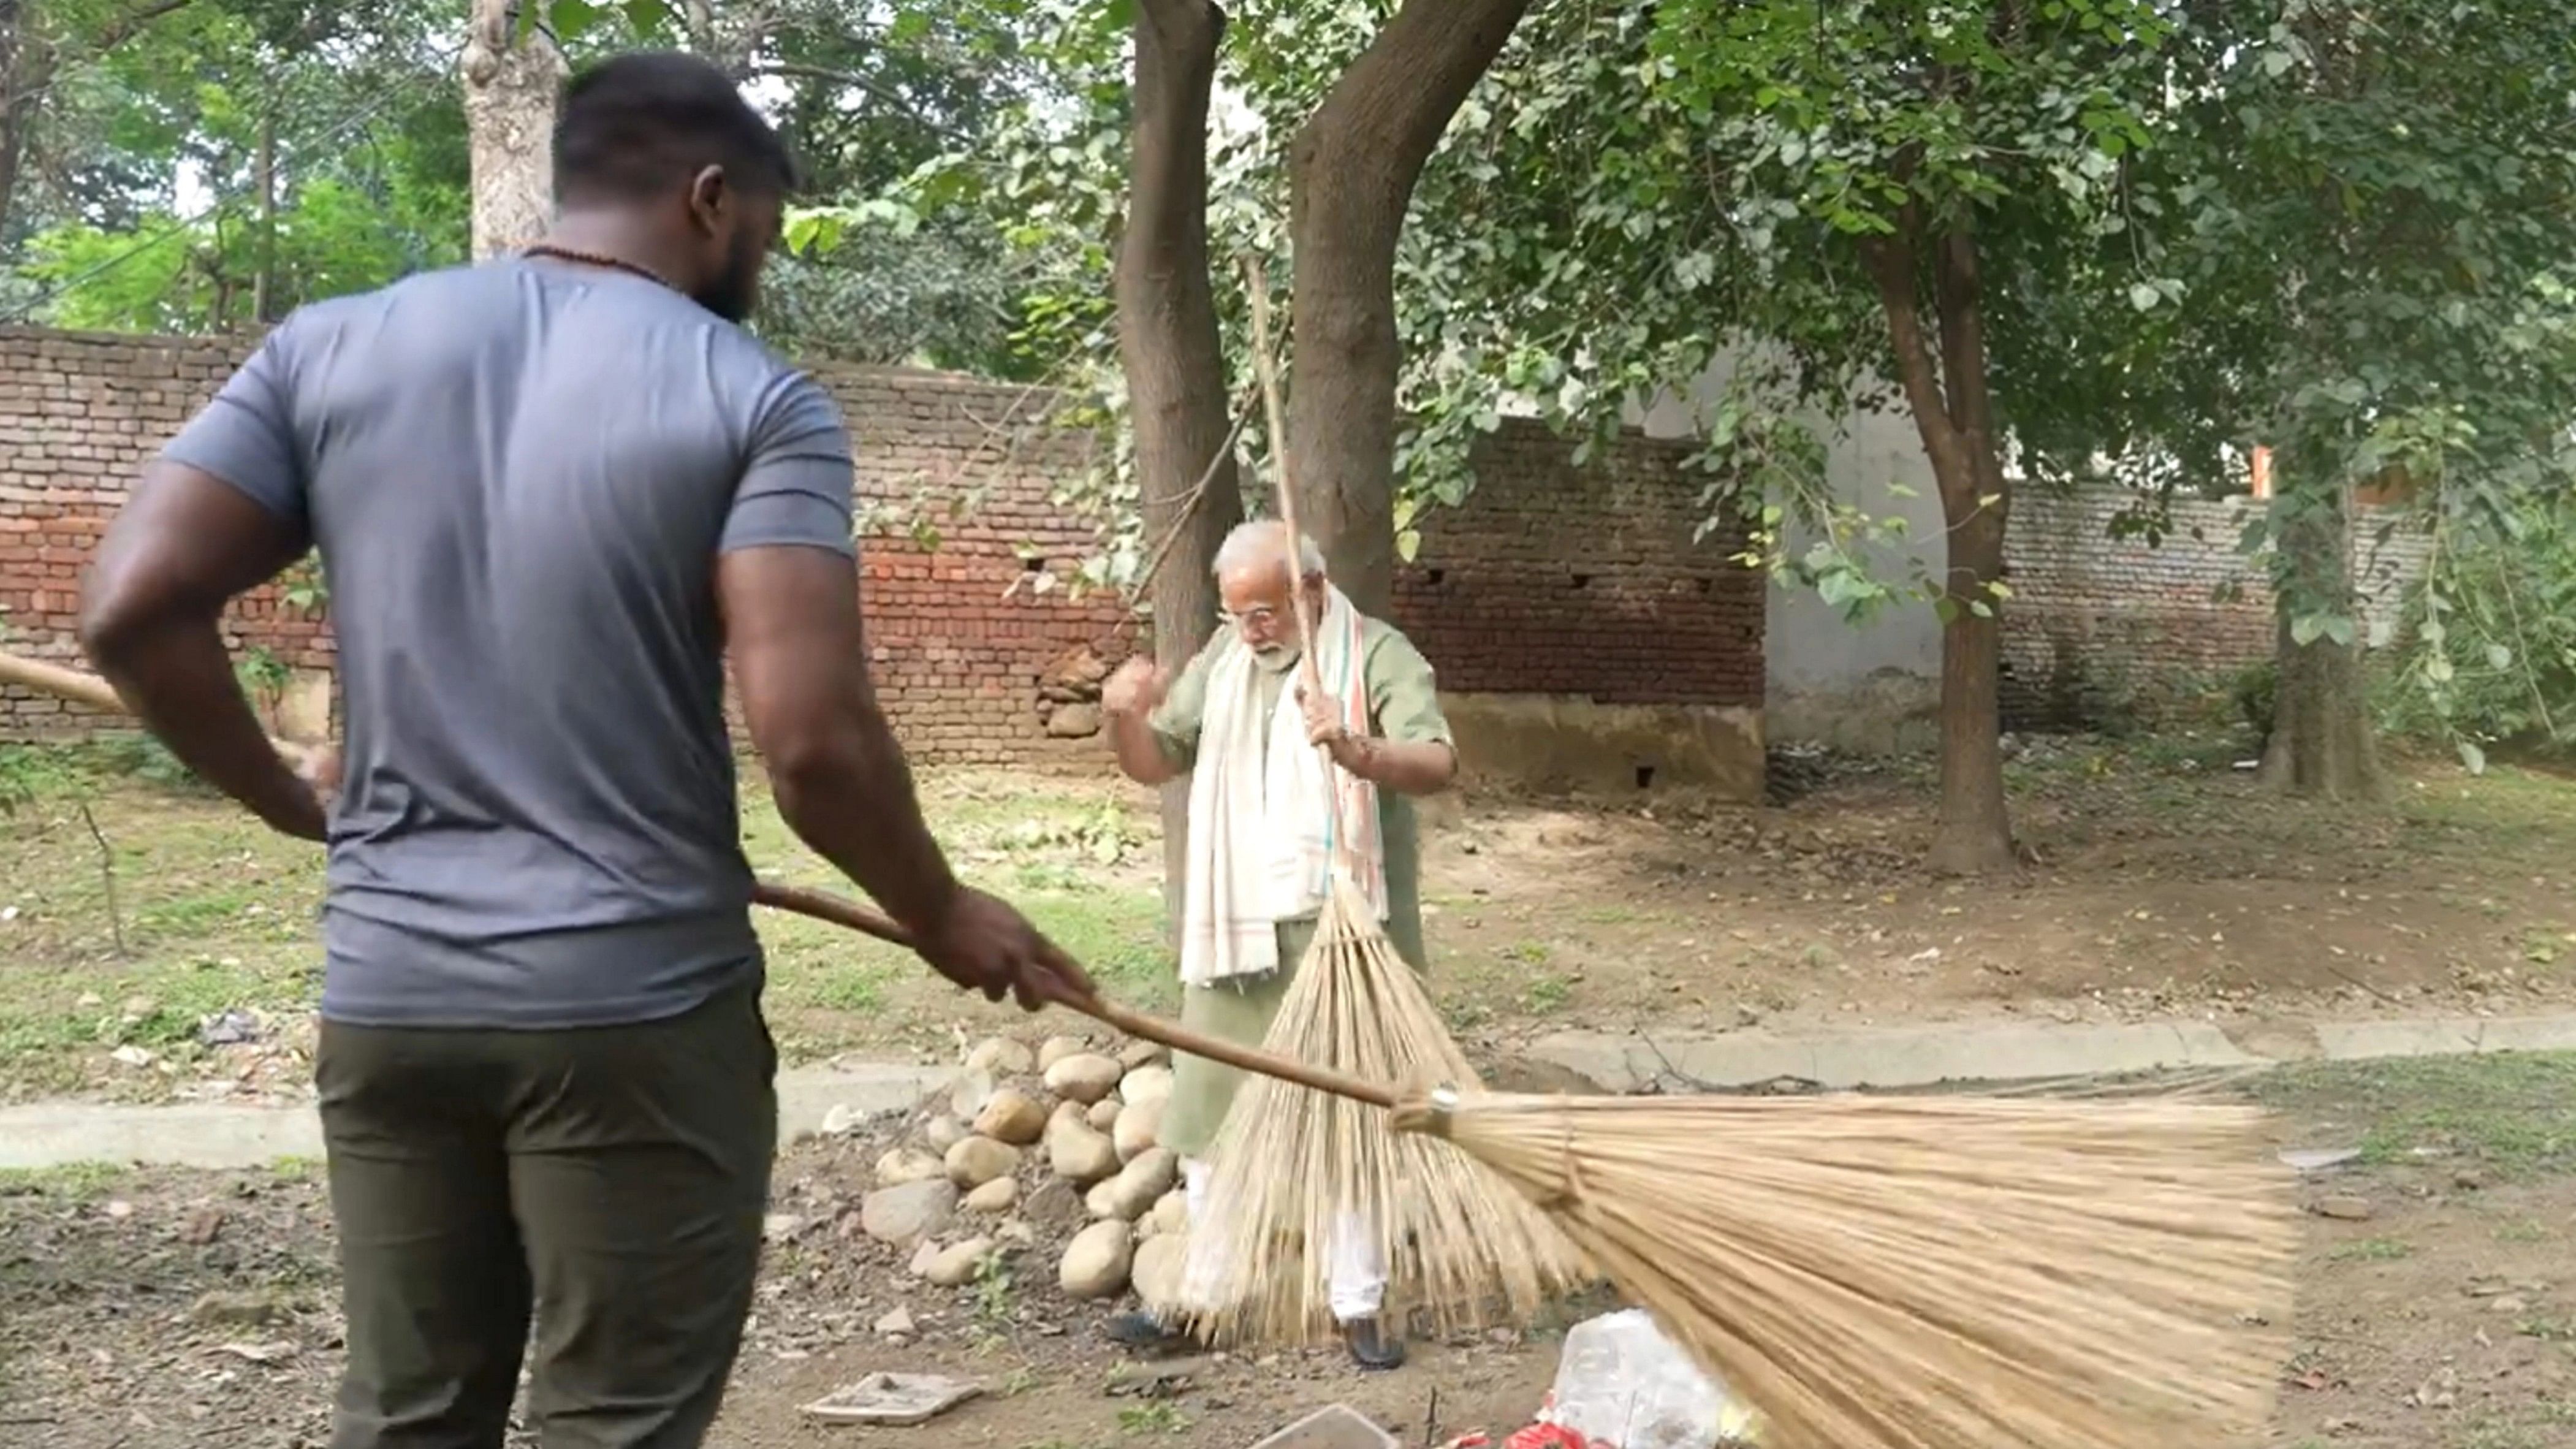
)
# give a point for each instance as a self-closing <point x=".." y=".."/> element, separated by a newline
<point x="234" y="1027"/>
<point x="260" y="1353"/>
<point x="1620" y="1380"/>
<point x="896" y="1399"/>
<point x="132" y="1056"/>
<point x="2319" y="1159"/>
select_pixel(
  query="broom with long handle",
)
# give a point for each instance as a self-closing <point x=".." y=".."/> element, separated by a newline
<point x="1302" y="1184"/>
<point x="1887" y="1273"/>
<point x="1936" y="1273"/>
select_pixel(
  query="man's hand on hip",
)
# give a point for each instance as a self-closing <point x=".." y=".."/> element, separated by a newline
<point x="983" y="944"/>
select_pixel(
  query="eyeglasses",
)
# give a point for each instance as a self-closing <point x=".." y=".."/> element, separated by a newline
<point x="1262" y="617"/>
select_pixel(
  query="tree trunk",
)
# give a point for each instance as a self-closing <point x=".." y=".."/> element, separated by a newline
<point x="1954" y="415"/>
<point x="1352" y="170"/>
<point x="1169" y="349"/>
<point x="511" y="85"/>
<point x="24" y="64"/>
<point x="2322" y="746"/>
<point x="263" y="292"/>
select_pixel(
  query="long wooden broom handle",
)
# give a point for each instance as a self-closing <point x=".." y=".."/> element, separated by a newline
<point x="91" y="690"/>
<point x="841" y="911"/>
<point x="1258" y="284"/>
<point x="97" y="693"/>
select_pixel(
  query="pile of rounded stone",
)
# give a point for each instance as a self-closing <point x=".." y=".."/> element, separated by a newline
<point x="1054" y="1134"/>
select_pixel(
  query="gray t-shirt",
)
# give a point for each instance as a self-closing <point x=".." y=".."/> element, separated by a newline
<point x="519" y="476"/>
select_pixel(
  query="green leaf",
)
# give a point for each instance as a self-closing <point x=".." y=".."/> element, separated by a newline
<point x="2499" y="657"/>
<point x="2144" y="296"/>
<point x="571" y="19"/>
<point x="2473" y="757"/>
<point x="2307" y="629"/>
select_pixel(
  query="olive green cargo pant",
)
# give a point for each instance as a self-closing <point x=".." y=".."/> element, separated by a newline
<point x="607" y="1182"/>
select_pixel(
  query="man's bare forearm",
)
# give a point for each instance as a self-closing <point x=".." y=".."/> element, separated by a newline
<point x="1141" y="756"/>
<point x="179" y="682"/>
<point x="849" y="795"/>
<point x="1408" y="767"/>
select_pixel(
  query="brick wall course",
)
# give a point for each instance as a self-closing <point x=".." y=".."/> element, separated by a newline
<point x="2100" y="626"/>
<point x="1553" y="578"/>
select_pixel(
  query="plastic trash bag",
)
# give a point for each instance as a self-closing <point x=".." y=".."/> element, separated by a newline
<point x="1621" y="1384"/>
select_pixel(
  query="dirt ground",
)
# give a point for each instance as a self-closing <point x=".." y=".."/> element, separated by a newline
<point x="169" y="1310"/>
<point x="169" y="951"/>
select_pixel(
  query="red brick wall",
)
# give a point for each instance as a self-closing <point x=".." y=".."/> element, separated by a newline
<point x="2100" y="626"/>
<point x="78" y="412"/>
<point x="1552" y="578"/>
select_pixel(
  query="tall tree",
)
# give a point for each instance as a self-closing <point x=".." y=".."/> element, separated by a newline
<point x="1862" y="200"/>
<point x="2370" y="208"/>
<point x="513" y="73"/>
<point x="1352" y="171"/>
<point x="1170" y="351"/>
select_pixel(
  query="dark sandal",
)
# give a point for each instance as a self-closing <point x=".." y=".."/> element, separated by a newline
<point x="1370" y="1348"/>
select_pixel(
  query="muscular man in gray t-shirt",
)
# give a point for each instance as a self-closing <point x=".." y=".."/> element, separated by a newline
<point x="550" y="493"/>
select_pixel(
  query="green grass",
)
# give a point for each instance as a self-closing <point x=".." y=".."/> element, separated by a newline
<point x="2513" y="1111"/>
<point x="214" y="912"/>
<point x="2374" y="1250"/>
<point x="73" y="1181"/>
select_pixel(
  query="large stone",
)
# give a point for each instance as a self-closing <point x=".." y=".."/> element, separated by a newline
<point x="967" y="1098"/>
<point x="1075" y="676"/>
<point x="1104" y="1114"/>
<point x="1132" y="1193"/>
<point x="1084" y="1077"/>
<point x="1078" y="1152"/>
<point x="998" y="1196"/>
<point x="975" y="1161"/>
<point x="1096" y="1261"/>
<point x="1013" y="1117"/>
<point x="1143" y="1054"/>
<point x="1056" y="1048"/>
<point x="1137" y="1129"/>
<point x="906" y="1215"/>
<point x="1073" y="721"/>
<point x="942" y="1133"/>
<point x="1157" y="1269"/>
<point x="905" y="1165"/>
<point x="957" y="1266"/>
<point x="1146" y="1084"/>
<point x="1171" y="1214"/>
<point x="999" y="1056"/>
<point x="1055" y="1204"/>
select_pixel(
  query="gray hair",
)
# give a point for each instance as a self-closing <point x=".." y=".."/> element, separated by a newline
<point x="1258" y="541"/>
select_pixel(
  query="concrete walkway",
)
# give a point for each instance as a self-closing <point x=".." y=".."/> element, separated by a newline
<point x="52" y="1134"/>
<point x="1922" y="1056"/>
<point x="206" y="1134"/>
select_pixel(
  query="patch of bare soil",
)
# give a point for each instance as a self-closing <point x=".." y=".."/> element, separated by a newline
<point x="2169" y="895"/>
<point x="2446" y="1319"/>
<point x="173" y="1310"/>
<point x="170" y="1310"/>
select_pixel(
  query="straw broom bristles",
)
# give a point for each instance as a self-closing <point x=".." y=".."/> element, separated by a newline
<point x="1289" y="1164"/>
<point x="1936" y="1273"/>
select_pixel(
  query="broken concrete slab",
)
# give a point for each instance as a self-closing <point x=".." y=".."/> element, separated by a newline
<point x="1335" y="1426"/>
<point x="897" y="1400"/>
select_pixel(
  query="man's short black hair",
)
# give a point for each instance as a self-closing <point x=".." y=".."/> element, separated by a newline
<point x="639" y="124"/>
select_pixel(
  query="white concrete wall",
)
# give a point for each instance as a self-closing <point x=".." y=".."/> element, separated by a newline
<point x="1870" y="687"/>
